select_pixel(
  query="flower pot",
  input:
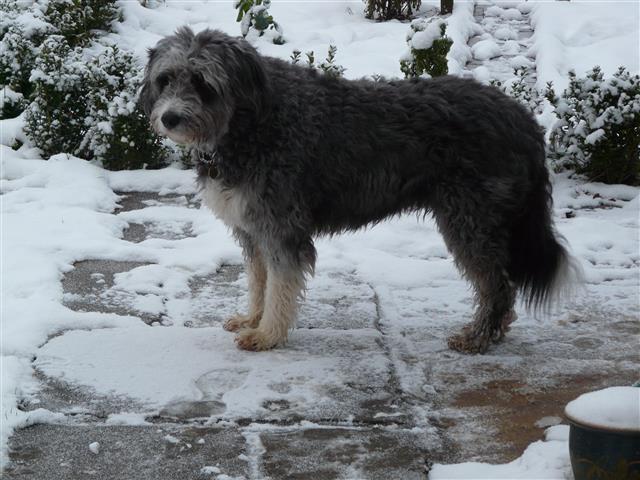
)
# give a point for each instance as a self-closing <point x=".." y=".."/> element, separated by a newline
<point x="604" y="437"/>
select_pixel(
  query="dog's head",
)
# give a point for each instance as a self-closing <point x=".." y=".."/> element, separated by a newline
<point x="195" y="84"/>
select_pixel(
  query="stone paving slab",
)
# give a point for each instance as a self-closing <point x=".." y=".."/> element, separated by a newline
<point x="157" y="452"/>
<point x="90" y="287"/>
<point x="330" y="453"/>
<point x="320" y="376"/>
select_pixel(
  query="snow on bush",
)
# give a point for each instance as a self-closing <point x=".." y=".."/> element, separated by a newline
<point x="255" y="20"/>
<point x="79" y="20"/>
<point x="598" y="127"/>
<point x="523" y="91"/>
<point x="11" y="103"/>
<point x="80" y="95"/>
<point x="88" y="107"/>
<point x="391" y="9"/>
<point x="21" y="32"/>
<point x="428" y="48"/>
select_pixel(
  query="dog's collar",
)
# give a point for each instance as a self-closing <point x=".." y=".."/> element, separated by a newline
<point x="208" y="163"/>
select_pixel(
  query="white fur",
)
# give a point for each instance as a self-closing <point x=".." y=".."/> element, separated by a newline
<point x="228" y="204"/>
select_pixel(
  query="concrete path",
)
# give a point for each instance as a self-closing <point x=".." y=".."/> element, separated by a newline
<point x="376" y="398"/>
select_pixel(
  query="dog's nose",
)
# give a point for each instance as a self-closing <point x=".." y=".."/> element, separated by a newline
<point x="170" y="119"/>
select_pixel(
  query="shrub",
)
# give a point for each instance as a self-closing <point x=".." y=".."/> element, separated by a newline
<point x="390" y="9"/>
<point x="88" y="108"/>
<point x="255" y="20"/>
<point x="55" y="118"/>
<point x="20" y="37"/>
<point x="598" y="127"/>
<point x="78" y="20"/>
<point x="11" y="103"/>
<point x="328" y="66"/>
<point x="522" y="90"/>
<point x="118" y="132"/>
<point x="428" y="49"/>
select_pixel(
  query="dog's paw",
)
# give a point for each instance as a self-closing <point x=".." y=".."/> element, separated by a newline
<point x="467" y="342"/>
<point x="238" y="322"/>
<point x="256" y="340"/>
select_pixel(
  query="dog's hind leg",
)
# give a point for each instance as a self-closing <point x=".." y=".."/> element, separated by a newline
<point x="495" y="298"/>
<point x="285" y="285"/>
<point x="478" y="241"/>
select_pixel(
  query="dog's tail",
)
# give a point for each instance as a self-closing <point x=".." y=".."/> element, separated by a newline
<point x="540" y="264"/>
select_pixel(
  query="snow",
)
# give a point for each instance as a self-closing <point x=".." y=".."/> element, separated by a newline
<point x="424" y="38"/>
<point x="485" y="49"/>
<point x="126" y="418"/>
<point x="505" y="33"/>
<point x="63" y="210"/>
<point x="580" y="34"/>
<point x="461" y="27"/>
<point x="614" y="407"/>
<point x="209" y="470"/>
<point x="548" y="459"/>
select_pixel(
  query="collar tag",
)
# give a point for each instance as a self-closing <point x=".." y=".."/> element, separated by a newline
<point x="209" y="160"/>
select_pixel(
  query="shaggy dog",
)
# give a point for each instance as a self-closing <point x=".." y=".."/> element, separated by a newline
<point x="285" y="154"/>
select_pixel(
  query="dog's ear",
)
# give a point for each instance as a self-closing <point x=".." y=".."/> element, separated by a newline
<point x="233" y="68"/>
<point x="250" y="82"/>
<point x="145" y="96"/>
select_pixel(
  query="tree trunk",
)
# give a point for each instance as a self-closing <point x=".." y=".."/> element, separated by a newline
<point x="446" y="6"/>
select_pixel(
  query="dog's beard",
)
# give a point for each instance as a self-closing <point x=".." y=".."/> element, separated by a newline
<point x="179" y="135"/>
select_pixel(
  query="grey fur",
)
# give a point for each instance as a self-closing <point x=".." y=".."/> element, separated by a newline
<point x="299" y="154"/>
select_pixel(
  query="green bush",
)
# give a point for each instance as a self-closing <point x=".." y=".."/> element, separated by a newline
<point x="428" y="49"/>
<point x="77" y="101"/>
<point x="11" y="103"/>
<point x="89" y="108"/>
<point x="19" y="45"/>
<point x="328" y="66"/>
<point x="523" y="89"/>
<point x="79" y="20"/>
<point x="119" y="134"/>
<point x="55" y="118"/>
<point x="598" y="128"/>
<point x="255" y="20"/>
<point x="391" y="9"/>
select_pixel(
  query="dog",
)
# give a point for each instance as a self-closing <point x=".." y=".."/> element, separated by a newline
<point x="285" y="154"/>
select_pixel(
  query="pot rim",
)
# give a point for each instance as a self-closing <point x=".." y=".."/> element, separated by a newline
<point x="602" y="428"/>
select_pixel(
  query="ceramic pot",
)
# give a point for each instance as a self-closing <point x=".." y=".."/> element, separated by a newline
<point x="603" y="453"/>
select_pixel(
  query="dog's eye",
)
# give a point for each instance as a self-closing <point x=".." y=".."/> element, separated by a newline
<point x="163" y="80"/>
<point x="204" y="90"/>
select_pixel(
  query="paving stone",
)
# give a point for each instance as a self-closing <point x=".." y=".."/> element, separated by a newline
<point x="90" y="287"/>
<point x="137" y="232"/>
<point x="330" y="453"/>
<point x="156" y="452"/>
<point x="321" y="376"/>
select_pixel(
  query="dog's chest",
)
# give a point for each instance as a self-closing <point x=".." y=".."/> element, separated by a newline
<point x="228" y="204"/>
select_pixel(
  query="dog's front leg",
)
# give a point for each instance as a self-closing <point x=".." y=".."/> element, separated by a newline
<point x="256" y="279"/>
<point x="285" y="285"/>
<point x="257" y="282"/>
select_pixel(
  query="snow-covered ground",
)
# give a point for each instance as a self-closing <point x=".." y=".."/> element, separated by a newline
<point x="64" y="210"/>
